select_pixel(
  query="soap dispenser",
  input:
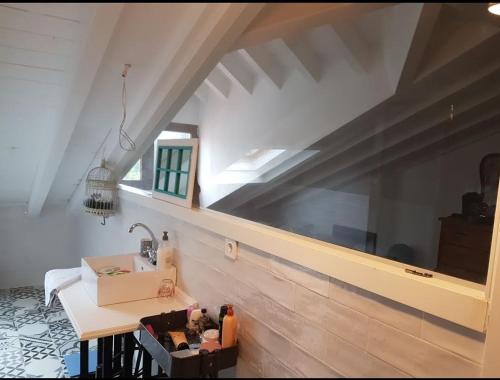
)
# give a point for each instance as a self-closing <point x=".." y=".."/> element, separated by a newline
<point x="165" y="254"/>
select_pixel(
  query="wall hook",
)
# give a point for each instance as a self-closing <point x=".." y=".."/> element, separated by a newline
<point x="103" y="223"/>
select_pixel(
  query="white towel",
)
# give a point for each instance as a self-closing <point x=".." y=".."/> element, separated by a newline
<point x="57" y="279"/>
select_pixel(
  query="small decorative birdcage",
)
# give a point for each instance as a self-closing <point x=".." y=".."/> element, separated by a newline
<point x="100" y="192"/>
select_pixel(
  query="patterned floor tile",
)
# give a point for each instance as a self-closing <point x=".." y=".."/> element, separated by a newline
<point x="69" y="347"/>
<point x="33" y="337"/>
<point x="52" y="316"/>
<point x="29" y="303"/>
<point x="4" y="294"/>
<point x="28" y="317"/>
<point x="12" y="365"/>
<point x="49" y="366"/>
<point x="39" y="331"/>
<point x="7" y="324"/>
<point x="37" y="348"/>
<point x="7" y="310"/>
<point x="9" y="342"/>
<point x="22" y="292"/>
<point x="62" y="335"/>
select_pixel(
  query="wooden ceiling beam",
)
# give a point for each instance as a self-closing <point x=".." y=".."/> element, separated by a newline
<point x="234" y="66"/>
<point x="278" y="20"/>
<point x="218" y="82"/>
<point x="83" y="76"/>
<point x="304" y="58"/>
<point x="354" y="48"/>
<point x="202" y="92"/>
<point x="198" y="54"/>
<point x="266" y="64"/>
<point x="421" y="38"/>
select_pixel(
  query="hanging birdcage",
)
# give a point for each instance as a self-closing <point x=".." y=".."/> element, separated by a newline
<point x="100" y="192"/>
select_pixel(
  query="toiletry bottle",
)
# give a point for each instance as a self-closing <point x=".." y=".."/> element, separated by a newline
<point x="204" y="321"/>
<point x="229" y="328"/>
<point x="165" y="254"/>
<point x="190" y="310"/>
<point x="179" y="339"/>
<point x="194" y="319"/>
<point x="222" y="314"/>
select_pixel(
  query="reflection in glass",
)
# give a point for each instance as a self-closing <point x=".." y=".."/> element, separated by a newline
<point x="164" y="158"/>
<point x="183" y="184"/>
<point x="172" y="181"/>
<point x="186" y="155"/>
<point x="174" y="160"/>
<point x="161" y="181"/>
<point x="391" y="162"/>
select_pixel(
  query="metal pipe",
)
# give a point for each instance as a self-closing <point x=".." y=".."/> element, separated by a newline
<point x="155" y="242"/>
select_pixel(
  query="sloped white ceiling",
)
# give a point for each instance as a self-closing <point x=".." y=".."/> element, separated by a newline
<point x="37" y="46"/>
<point x="145" y="37"/>
<point x="38" y="43"/>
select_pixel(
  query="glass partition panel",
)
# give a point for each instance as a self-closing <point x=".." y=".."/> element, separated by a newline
<point x="394" y="153"/>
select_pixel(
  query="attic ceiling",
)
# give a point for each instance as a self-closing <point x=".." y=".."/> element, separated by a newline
<point x="447" y="55"/>
<point x="39" y="44"/>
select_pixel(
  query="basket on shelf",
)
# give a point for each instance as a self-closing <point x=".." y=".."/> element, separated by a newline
<point x="100" y="192"/>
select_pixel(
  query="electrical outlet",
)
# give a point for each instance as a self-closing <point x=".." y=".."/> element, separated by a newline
<point x="231" y="249"/>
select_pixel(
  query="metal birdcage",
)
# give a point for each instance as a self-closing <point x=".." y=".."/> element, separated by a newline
<point x="100" y="192"/>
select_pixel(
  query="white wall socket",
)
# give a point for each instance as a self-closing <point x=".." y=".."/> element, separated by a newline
<point x="231" y="249"/>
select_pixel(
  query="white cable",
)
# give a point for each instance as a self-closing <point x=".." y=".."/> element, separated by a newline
<point x="126" y="142"/>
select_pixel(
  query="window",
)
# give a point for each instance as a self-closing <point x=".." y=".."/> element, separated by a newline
<point x="141" y="175"/>
<point x="172" y="170"/>
<point x="134" y="174"/>
<point x="384" y="158"/>
<point x="175" y="170"/>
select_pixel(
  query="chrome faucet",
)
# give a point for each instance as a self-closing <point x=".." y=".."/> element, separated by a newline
<point x="149" y="247"/>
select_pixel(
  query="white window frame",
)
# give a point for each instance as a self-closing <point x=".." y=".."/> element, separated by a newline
<point x="459" y="301"/>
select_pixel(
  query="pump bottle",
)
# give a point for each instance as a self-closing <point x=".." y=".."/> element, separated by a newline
<point x="165" y="254"/>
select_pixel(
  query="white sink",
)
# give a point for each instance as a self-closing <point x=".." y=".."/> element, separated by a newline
<point x="142" y="282"/>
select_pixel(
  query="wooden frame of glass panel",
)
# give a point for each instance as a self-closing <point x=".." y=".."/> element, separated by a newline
<point x="175" y="169"/>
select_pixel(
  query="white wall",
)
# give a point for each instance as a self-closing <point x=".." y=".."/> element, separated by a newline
<point x="31" y="246"/>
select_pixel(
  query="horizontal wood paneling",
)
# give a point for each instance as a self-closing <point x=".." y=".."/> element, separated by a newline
<point x="455" y="301"/>
<point x="350" y="332"/>
<point x="35" y="42"/>
<point x="342" y="338"/>
<point x="39" y="24"/>
<point x="69" y="12"/>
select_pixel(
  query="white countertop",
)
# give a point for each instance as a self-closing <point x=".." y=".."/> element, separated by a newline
<point x="91" y="321"/>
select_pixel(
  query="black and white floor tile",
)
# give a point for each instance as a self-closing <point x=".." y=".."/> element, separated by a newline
<point x="33" y="338"/>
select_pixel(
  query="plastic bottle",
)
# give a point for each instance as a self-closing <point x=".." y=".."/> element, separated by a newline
<point x="229" y="328"/>
<point x="190" y="309"/>
<point x="204" y="321"/>
<point x="165" y="254"/>
<point x="194" y="319"/>
<point x="222" y="314"/>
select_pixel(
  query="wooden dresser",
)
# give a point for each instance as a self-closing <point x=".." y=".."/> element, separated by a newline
<point x="464" y="248"/>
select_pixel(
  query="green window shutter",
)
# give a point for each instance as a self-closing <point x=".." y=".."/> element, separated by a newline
<point x="172" y="170"/>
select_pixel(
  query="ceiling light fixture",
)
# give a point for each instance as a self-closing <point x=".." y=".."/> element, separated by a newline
<point x="494" y="8"/>
<point x="126" y="142"/>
